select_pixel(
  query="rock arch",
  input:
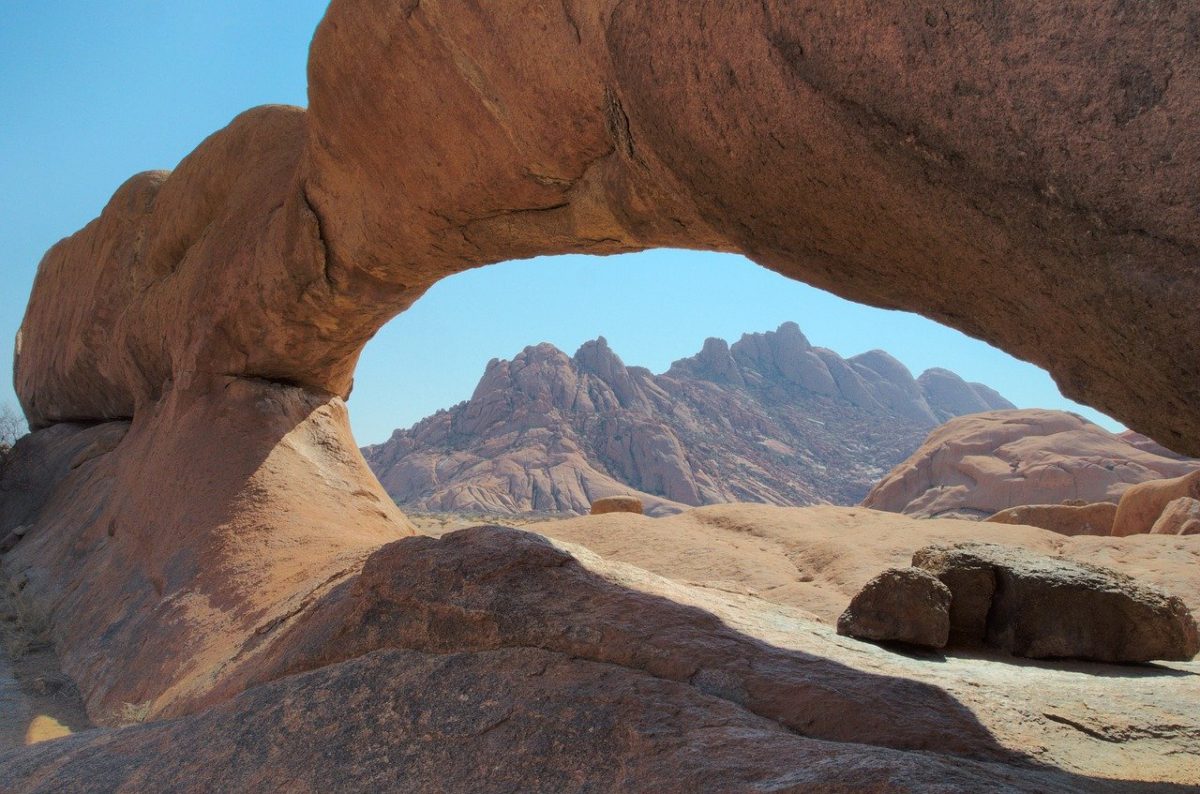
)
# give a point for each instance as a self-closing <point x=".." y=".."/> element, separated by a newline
<point x="1024" y="173"/>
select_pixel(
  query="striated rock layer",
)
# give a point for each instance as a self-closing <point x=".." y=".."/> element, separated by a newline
<point x="768" y="419"/>
<point x="982" y="464"/>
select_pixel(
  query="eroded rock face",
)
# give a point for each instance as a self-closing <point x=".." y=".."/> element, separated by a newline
<point x="518" y="719"/>
<point x="892" y="157"/>
<point x="1041" y="607"/>
<point x="768" y="419"/>
<point x="906" y="605"/>
<point x="978" y="465"/>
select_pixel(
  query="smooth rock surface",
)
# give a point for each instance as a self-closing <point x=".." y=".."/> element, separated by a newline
<point x="1066" y="519"/>
<point x="510" y="720"/>
<point x="1180" y="517"/>
<point x="617" y="504"/>
<point x="906" y="605"/>
<point x="1041" y="607"/>
<point x="1142" y="505"/>
<point x="978" y="465"/>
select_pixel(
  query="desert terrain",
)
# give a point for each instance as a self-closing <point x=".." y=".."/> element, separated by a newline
<point x="194" y="544"/>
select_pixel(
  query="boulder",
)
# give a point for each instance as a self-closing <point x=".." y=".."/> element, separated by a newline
<point x="1046" y="607"/>
<point x="978" y="465"/>
<point x="1180" y="517"/>
<point x="617" y="504"/>
<point x="1141" y="506"/>
<point x="905" y="605"/>
<point x="1065" y="519"/>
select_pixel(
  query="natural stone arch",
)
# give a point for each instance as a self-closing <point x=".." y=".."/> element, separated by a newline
<point x="1025" y="174"/>
<point x="1021" y="172"/>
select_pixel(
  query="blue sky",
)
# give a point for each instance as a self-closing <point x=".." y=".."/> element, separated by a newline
<point x="94" y="92"/>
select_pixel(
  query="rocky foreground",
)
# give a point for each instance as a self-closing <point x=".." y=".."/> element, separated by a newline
<point x="769" y="419"/>
<point x="617" y="652"/>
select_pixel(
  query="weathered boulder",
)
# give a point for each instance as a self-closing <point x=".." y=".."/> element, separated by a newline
<point x="1141" y="506"/>
<point x="1065" y="519"/>
<point x="617" y="504"/>
<point x="906" y="605"/>
<point x="1045" y="607"/>
<point x="1180" y="517"/>
<point x="977" y="465"/>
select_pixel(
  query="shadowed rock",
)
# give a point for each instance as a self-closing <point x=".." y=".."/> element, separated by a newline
<point x="1043" y="607"/>
<point x="900" y="605"/>
<point x="1065" y="519"/>
<point x="1180" y="517"/>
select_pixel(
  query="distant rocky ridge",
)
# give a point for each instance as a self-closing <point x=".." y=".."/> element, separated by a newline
<point x="769" y="419"/>
<point x="979" y="465"/>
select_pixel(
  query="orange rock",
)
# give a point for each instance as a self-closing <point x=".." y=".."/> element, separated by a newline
<point x="1142" y="505"/>
<point x="617" y="504"/>
<point x="1065" y="519"/>
<point x="1180" y="517"/>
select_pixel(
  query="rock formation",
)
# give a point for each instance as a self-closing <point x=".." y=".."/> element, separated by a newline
<point x="493" y="640"/>
<point x="617" y="504"/>
<point x="1037" y="606"/>
<point x="768" y="419"/>
<point x="1067" y="519"/>
<point x="1143" y="504"/>
<point x="1024" y="172"/>
<point x="1180" y="517"/>
<point x="905" y="605"/>
<point x="978" y="465"/>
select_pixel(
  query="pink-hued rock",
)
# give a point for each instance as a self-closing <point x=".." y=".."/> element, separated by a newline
<point x="1180" y="517"/>
<point x="978" y="465"/>
<point x="752" y="422"/>
<point x="1023" y="171"/>
<point x="905" y="605"/>
<point x="1142" y="505"/>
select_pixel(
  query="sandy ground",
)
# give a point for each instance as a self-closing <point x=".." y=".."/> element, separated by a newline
<point x="37" y="701"/>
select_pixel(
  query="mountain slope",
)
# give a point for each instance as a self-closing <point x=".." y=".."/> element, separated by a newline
<point x="769" y="419"/>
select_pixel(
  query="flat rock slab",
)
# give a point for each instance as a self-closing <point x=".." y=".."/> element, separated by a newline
<point x="1042" y="607"/>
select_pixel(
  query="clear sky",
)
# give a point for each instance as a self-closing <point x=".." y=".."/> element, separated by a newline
<point x="95" y="92"/>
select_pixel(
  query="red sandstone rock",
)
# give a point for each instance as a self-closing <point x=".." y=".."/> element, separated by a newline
<point x="1023" y="172"/>
<point x="978" y="465"/>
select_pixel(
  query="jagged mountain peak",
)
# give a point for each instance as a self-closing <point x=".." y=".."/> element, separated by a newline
<point x="768" y="419"/>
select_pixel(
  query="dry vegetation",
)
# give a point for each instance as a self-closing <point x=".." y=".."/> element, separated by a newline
<point x="23" y="627"/>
